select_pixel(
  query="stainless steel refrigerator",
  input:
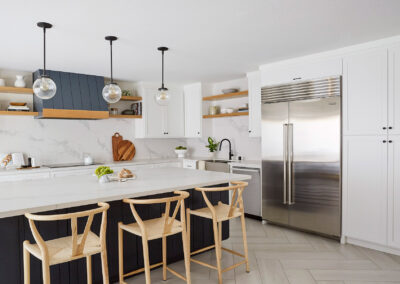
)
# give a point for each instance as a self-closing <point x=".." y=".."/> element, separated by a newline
<point x="301" y="155"/>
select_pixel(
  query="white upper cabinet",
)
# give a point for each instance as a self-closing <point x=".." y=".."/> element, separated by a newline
<point x="193" y="110"/>
<point x="394" y="191"/>
<point x="365" y="95"/>
<point x="394" y="90"/>
<point x="295" y="71"/>
<point x="254" y="85"/>
<point x="365" y="184"/>
<point x="164" y="121"/>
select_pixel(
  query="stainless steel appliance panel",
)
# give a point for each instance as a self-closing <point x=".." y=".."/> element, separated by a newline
<point x="252" y="193"/>
<point x="314" y="165"/>
<point x="274" y="154"/>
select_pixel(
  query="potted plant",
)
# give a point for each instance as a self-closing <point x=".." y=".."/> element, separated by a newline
<point x="212" y="147"/>
<point x="181" y="151"/>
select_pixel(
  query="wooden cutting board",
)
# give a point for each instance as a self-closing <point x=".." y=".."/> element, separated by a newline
<point x="126" y="150"/>
<point x="116" y="138"/>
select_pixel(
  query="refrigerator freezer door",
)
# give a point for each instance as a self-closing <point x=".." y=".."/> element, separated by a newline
<point x="315" y="188"/>
<point x="274" y="147"/>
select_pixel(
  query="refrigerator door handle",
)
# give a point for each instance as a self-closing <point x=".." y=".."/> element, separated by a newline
<point x="285" y="159"/>
<point x="290" y="164"/>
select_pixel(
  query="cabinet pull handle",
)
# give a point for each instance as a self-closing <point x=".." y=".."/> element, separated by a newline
<point x="297" y="78"/>
<point x="384" y="141"/>
<point x="384" y="128"/>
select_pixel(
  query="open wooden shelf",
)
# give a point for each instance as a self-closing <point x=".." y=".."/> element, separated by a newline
<point x="26" y="113"/>
<point x="15" y="90"/>
<point x="130" y="98"/>
<point x="124" y="116"/>
<point x="226" y="96"/>
<point x="226" y="114"/>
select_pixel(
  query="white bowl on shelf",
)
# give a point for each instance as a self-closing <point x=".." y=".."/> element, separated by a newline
<point x="229" y="110"/>
<point x="231" y="90"/>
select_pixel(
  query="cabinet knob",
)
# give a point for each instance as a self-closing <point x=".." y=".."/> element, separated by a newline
<point x="384" y="128"/>
<point x="384" y="141"/>
<point x="390" y="127"/>
<point x="390" y="141"/>
<point x="249" y="131"/>
<point x="198" y="132"/>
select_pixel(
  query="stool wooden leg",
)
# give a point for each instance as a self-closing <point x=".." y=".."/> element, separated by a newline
<point x="89" y="269"/>
<point x="186" y="253"/>
<point x="120" y="253"/>
<point x="104" y="265"/>
<point x="146" y="259"/>
<point x="46" y="271"/>
<point x="164" y="257"/>
<point x="27" y="265"/>
<point x="220" y="237"/>
<point x="217" y="250"/>
<point x="188" y="228"/>
<point x="246" y="254"/>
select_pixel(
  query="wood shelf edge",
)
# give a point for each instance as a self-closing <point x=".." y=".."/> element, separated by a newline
<point x="124" y="116"/>
<point x="20" y="113"/>
<point x="131" y="98"/>
<point x="15" y="90"/>
<point x="226" y="96"/>
<point x="226" y="114"/>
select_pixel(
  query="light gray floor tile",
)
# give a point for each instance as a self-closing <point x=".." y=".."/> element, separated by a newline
<point x="328" y="264"/>
<point x="299" y="277"/>
<point x="356" y="275"/>
<point x="272" y="272"/>
<point x="383" y="260"/>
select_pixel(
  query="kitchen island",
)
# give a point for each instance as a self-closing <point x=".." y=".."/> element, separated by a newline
<point x="74" y="193"/>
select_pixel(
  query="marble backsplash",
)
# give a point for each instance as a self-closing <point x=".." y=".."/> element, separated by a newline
<point x="64" y="141"/>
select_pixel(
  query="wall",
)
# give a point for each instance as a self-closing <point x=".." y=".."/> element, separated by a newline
<point x="233" y="128"/>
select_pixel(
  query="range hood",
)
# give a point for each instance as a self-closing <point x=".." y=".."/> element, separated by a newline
<point x="78" y="96"/>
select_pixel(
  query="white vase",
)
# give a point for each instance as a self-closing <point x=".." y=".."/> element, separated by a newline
<point x="213" y="155"/>
<point x="20" y="83"/>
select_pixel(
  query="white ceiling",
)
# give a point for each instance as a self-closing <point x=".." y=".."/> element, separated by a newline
<point x="210" y="40"/>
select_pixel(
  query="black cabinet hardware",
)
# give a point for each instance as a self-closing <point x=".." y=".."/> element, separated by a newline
<point x="384" y="141"/>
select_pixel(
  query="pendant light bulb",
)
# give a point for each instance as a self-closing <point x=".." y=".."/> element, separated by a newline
<point x="44" y="87"/>
<point x="111" y="92"/>
<point x="162" y="97"/>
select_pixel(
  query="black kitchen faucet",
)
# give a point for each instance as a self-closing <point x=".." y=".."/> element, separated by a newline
<point x="230" y="147"/>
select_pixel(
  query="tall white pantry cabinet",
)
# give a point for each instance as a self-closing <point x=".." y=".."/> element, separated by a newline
<point x="371" y="148"/>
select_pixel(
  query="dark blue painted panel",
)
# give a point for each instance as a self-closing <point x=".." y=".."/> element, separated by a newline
<point x="85" y="95"/>
<point x="66" y="90"/>
<point x="100" y="86"/>
<point x="76" y="91"/>
<point x="58" y="98"/>
<point x="94" y="96"/>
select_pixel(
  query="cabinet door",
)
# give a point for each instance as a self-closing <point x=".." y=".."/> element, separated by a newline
<point x="365" y="93"/>
<point x="394" y="191"/>
<point x="174" y="120"/>
<point x="193" y="110"/>
<point x="155" y="116"/>
<point x="365" y="188"/>
<point x="254" y="82"/>
<point x="394" y="90"/>
<point x="304" y="70"/>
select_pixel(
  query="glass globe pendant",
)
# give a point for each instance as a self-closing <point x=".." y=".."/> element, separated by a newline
<point x="111" y="92"/>
<point x="162" y="97"/>
<point x="44" y="87"/>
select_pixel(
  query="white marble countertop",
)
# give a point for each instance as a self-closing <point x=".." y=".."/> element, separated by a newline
<point x="19" y="197"/>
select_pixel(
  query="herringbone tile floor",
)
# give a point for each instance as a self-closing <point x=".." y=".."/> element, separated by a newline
<point x="279" y="255"/>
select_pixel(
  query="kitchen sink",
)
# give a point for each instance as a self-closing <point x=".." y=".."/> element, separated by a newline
<point x="217" y="165"/>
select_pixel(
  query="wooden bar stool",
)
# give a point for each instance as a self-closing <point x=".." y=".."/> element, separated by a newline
<point x="69" y="248"/>
<point x="218" y="214"/>
<point x="155" y="229"/>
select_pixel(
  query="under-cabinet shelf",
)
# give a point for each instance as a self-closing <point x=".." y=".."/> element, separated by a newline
<point x="25" y="113"/>
<point x="15" y="90"/>
<point x="226" y="114"/>
<point x="226" y="96"/>
<point x="131" y="98"/>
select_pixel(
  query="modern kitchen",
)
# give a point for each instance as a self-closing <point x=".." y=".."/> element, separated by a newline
<point x="200" y="142"/>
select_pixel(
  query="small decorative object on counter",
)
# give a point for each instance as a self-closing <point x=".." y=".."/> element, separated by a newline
<point x="102" y="172"/>
<point x="115" y="139"/>
<point x="181" y="151"/>
<point x="20" y="82"/>
<point x="212" y="147"/>
<point x="6" y="160"/>
<point x="125" y="173"/>
<point x="2" y="82"/>
<point x="87" y="159"/>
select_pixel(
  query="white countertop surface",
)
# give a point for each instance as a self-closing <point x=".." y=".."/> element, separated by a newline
<point x="19" y="197"/>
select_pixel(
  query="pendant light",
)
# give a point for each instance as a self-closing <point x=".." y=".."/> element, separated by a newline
<point x="162" y="97"/>
<point x="44" y="87"/>
<point x="111" y="92"/>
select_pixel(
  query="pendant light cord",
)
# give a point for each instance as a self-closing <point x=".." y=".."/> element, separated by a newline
<point x="44" y="51"/>
<point x="112" y="81"/>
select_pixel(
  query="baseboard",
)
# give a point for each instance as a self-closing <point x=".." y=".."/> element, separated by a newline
<point x="373" y="246"/>
<point x="251" y="216"/>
